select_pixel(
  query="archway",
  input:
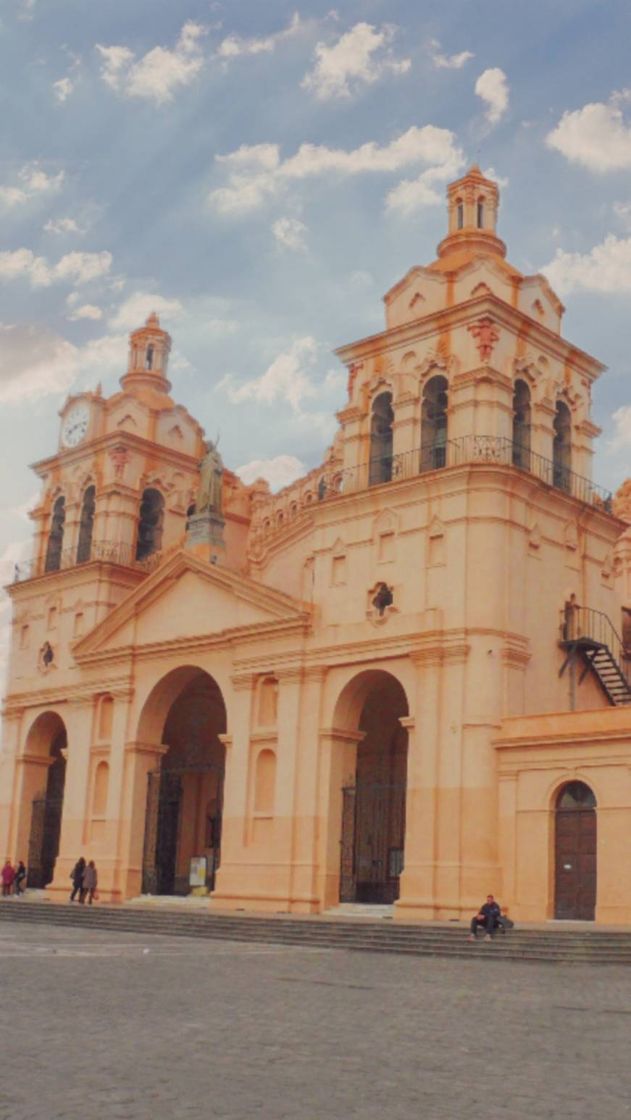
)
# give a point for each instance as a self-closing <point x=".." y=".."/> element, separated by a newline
<point x="575" y="852"/>
<point x="47" y="739"/>
<point x="373" y="807"/>
<point x="184" y="796"/>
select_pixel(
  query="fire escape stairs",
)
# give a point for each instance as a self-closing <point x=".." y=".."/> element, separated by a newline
<point x="590" y="636"/>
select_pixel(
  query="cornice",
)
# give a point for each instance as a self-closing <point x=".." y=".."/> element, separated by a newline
<point x="198" y="643"/>
<point x="130" y="440"/>
<point x="503" y="314"/>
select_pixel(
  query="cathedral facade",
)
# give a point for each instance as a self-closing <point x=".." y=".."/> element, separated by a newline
<point x="399" y="680"/>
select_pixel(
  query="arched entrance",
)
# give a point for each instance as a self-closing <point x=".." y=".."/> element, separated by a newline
<point x="47" y="738"/>
<point x="373" y="807"/>
<point x="575" y="853"/>
<point x="184" y="796"/>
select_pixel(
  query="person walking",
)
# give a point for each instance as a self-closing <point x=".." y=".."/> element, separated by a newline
<point x="76" y="875"/>
<point x="7" y="875"/>
<point x="90" y="879"/>
<point x="20" y="878"/>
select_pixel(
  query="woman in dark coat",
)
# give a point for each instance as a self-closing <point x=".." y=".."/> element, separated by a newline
<point x="89" y="882"/>
<point x="76" y="875"/>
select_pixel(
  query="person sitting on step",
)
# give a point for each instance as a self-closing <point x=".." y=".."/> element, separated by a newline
<point x="488" y="918"/>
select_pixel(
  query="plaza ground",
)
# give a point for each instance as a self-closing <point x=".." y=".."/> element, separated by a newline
<point x="132" y="1027"/>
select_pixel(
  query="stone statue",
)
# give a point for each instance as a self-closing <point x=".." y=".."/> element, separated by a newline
<point x="211" y="473"/>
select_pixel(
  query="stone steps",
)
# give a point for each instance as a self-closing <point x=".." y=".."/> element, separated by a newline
<point x="567" y="947"/>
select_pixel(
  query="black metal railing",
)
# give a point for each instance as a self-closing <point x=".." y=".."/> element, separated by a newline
<point x="460" y="452"/>
<point x="584" y="624"/>
<point x="108" y="552"/>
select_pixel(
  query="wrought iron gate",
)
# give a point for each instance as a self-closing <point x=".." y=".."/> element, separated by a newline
<point x="162" y="828"/>
<point x="373" y="833"/>
<point x="43" y="844"/>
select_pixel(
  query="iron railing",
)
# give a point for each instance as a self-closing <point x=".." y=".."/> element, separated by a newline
<point x="584" y="624"/>
<point x="460" y="452"/>
<point x="108" y="552"/>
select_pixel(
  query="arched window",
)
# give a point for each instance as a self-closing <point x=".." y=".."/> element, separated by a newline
<point x="268" y="702"/>
<point x="86" y="525"/>
<point x="149" y="357"/>
<point x="150" y="524"/>
<point x="99" y="796"/>
<point x="434" y="424"/>
<point x="562" y="447"/>
<point x="459" y="215"/>
<point x="265" y="783"/>
<point x="521" y="426"/>
<point x="381" y="421"/>
<point x="106" y="715"/>
<point x="190" y="512"/>
<point x="56" y="536"/>
<point x="480" y="213"/>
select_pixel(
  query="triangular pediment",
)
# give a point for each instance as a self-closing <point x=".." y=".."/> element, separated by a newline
<point x="189" y="599"/>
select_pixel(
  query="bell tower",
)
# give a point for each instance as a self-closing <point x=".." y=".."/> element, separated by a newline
<point x="472" y="205"/>
<point x="149" y="349"/>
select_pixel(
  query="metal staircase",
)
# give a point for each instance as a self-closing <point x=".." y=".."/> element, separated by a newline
<point x="590" y="636"/>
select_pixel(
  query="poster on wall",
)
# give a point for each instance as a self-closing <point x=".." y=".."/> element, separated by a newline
<point x="197" y="871"/>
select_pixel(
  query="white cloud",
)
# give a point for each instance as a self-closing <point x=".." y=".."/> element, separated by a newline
<point x="160" y="72"/>
<point x="63" y="225"/>
<point x="286" y="379"/>
<point x="290" y="233"/>
<point x="256" y="173"/>
<point x="596" y="136"/>
<point x="360" y="57"/>
<point x="411" y="195"/>
<point x="501" y="180"/>
<point x="33" y="182"/>
<point x="86" y="311"/>
<point x="622" y="428"/>
<point x="34" y="362"/>
<point x="605" y="268"/>
<point x="279" y="471"/>
<point x="235" y="46"/>
<point x="448" y="61"/>
<point x="492" y="87"/>
<point x="137" y="308"/>
<point x="63" y="88"/>
<point x="622" y="210"/>
<point x="77" y="268"/>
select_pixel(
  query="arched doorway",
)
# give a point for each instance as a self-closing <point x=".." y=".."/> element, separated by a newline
<point x="575" y="853"/>
<point x="47" y="738"/>
<point x="184" y="796"/>
<point x="373" y="807"/>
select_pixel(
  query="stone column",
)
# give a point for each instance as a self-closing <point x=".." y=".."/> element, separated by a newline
<point x="417" y="884"/>
<point x="78" y="717"/>
<point x="138" y="761"/>
<point x="303" y="894"/>
<point x="338" y="764"/>
<point x="229" y="889"/>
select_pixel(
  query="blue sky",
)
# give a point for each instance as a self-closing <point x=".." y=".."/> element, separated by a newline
<point x="262" y="173"/>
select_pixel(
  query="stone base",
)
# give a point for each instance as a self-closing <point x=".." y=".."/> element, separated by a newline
<point x="204" y="536"/>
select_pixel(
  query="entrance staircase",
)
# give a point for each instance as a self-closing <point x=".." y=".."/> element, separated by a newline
<point x="590" y="636"/>
<point x="570" y="945"/>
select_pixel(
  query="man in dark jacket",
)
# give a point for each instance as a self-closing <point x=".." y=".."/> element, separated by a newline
<point x="488" y="917"/>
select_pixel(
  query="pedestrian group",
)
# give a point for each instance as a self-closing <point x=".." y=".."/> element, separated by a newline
<point x="84" y="881"/>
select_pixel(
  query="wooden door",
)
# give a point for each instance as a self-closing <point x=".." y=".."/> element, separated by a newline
<point x="575" y="859"/>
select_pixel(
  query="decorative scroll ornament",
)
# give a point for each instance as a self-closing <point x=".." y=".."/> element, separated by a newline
<point x="486" y="335"/>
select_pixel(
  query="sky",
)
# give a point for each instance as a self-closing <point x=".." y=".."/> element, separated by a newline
<point x="261" y="174"/>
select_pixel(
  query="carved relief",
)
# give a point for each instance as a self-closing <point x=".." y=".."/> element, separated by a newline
<point x="486" y="335"/>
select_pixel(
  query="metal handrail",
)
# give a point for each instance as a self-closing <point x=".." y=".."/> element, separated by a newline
<point x="586" y="624"/>
<point x="107" y="552"/>
<point x="497" y="450"/>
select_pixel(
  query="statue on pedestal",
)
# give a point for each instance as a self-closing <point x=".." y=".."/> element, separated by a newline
<point x="210" y="479"/>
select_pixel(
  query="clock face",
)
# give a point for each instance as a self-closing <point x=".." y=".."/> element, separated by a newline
<point x="75" y="425"/>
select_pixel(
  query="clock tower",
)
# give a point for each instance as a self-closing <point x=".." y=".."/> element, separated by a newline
<point x="114" y="501"/>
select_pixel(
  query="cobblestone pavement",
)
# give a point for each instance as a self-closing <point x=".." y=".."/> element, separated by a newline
<point x="104" y="1026"/>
